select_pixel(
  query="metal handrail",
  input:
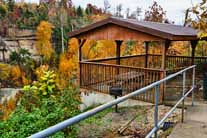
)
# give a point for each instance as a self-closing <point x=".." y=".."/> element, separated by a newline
<point x="53" y="129"/>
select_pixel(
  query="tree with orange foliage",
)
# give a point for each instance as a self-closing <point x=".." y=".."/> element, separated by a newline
<point x="68" y="64"/>
<point x="98" y="49"/>
<point x="44" y="33"/>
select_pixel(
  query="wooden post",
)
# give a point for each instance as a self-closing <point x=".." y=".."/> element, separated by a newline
<point x="146" y="52"/>
<point x="81" y="43"/>
<point x="193" y="46"/>
<point x="118" y="51"/>
<point x="164" y="51"/>
<point x="118" y="54"/>
<point x="165" y="47"/>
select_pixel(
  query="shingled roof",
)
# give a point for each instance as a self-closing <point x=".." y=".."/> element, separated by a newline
<point x="161" y="30"/>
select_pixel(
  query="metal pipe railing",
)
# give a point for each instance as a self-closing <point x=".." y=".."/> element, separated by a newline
<point x="154" y="130"/>
<point x="53" y="129"/>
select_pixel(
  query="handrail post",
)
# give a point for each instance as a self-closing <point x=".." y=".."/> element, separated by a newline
<point x="156" y="107"/>
<point x="183" y="94"/>
<point x="193" y="85"/>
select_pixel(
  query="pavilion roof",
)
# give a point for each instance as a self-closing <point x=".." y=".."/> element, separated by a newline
<point x="160" y="30"/>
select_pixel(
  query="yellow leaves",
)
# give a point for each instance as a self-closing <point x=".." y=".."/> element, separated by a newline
<point x="16" y="74"/>
<point x="73" y="46"/>
<point x="179" y="48"/>
<point x="68" y="64"/>
<point x="25" y="81"/>
<point x="4" y="71"/>
<point x="107" y="48"/>
<point x="40" y="70"/>
<point x="61" y="82"/>
<point x="98" y="49"/>
<point x="202" y="34"/>
<point x="44" y="32"/>
<point x="200" y="10"/>
<point x="8" y="106"/>
<point x="134" y="49"/>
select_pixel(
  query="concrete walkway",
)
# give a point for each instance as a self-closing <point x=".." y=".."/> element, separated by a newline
<point x="195" y="124"/>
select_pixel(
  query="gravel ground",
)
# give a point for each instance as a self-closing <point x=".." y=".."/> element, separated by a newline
<point x="107" y="123"/>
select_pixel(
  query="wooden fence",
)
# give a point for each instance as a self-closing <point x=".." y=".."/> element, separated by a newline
<point x="101" y="74"/>
<point x="100" y="77"/>
<point x="154" y="61"/>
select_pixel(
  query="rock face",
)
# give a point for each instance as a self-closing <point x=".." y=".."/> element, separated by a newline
<point x="7" y="93"/>
<point x="22" y="39"/>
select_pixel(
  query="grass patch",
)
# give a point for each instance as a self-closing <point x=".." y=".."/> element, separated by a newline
<point x="97" y="119"/>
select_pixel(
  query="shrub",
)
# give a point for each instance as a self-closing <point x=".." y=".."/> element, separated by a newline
<point x="41" y="107"/>
<point x="45" y="86"/>
<point x="5" y="72"/>
<point x="20" y="57"/>
<point x="40" y="70"/>
<point x="16" y="75"/>
<point x="23" y="66"/>
<point x="8" y="106"/>
<point x="68" y="65"/>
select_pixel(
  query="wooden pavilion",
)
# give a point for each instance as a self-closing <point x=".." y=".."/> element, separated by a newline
<point x="130" y="72"/>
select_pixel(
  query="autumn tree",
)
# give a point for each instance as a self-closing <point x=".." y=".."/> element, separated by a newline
<point x="200" y="23"/>
<point x="44" y="46"/>
<point x="98" y="49"/>
<point x="200" y="10"/>
<point x="155" y="13"/>
<point x="68" y="64"/>
<point x="3" y="19"/>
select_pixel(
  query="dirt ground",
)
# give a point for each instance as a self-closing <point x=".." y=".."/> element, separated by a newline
<point x="107" y="123"/>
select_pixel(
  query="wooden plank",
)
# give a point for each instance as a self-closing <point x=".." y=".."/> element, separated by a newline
<point x="114" y="32"/>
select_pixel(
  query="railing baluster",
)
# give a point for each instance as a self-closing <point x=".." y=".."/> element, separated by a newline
<point x="193" y="85"/>
<point x="156" y="108"/>
<point x="183" y="93"/>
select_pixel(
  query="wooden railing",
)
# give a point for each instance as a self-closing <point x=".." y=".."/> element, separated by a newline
<point x="154" y="61"/>
<point x="126" y="60"/>
<point x="101" y="76"/>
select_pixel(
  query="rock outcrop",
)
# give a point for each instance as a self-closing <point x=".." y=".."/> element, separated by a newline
<point x="22" y="39"/>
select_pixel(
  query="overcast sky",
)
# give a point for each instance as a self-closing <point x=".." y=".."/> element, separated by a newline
<point x="174" y="8"/>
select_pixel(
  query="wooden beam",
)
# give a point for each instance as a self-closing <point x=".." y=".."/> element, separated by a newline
<point x="146" y="52"/>
<point x="118" y="51"/>
<point x="193" y="46"/>
<point x="81" y="43"/>
<point x="165" y="47"/>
